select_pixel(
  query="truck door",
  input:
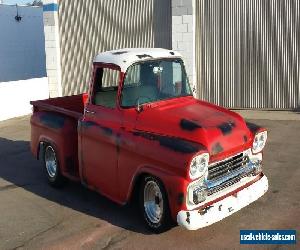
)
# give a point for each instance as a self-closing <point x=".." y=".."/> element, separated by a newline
<point x="99" y="132"/>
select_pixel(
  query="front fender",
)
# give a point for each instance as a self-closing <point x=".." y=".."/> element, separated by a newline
<point x="174" y="185"/>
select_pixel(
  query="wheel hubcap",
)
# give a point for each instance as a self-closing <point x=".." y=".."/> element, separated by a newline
<point x="50" y="160"/>
<point x="153" y="202"/>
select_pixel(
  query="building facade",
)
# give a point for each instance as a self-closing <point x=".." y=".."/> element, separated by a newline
<point x="76" y="31"/>
<point x="247" y="53"/>
<point x="238" y="54"/>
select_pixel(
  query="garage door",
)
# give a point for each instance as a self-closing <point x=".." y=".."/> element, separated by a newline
<point x="248" y="53"/>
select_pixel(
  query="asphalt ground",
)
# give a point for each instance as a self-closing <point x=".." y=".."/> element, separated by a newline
<point x="34" y="215"/>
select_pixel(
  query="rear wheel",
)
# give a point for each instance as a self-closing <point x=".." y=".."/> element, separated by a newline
<point x="52" y="166"/>
<point x="154" y="204"/>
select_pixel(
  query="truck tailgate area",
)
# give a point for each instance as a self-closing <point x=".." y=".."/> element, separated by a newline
<point x="69" y="105"/>
<point x="54" y="122"/>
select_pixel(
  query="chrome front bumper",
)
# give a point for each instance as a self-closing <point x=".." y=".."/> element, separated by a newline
<point x="219" y="210"/>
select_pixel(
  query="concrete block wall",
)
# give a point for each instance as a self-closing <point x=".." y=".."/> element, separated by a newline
<point x="182" y="33"/>
<point x="52" y="47"/>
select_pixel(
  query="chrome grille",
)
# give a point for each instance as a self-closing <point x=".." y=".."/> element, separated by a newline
<point x="228" y="183"/>
<point x="226" y="167"/>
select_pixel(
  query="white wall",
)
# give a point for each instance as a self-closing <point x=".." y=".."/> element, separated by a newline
<point x="15" y="96"/>
<point x="22" y="60"/>
<point x="22" y="44"/>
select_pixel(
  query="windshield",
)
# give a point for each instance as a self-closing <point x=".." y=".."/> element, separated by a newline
<point x="151" y="81"/>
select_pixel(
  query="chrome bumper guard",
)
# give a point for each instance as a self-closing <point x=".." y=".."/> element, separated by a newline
<point x="195" y="219"/>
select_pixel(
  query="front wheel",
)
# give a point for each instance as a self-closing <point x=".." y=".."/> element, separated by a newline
<point x="154" y="204"/>
<point x="52" y="166"/>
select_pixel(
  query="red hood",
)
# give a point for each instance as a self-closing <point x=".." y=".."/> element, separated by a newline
<point x="221" y="131"/>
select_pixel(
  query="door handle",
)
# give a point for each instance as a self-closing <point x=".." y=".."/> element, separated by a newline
<point x="89" y="112"/>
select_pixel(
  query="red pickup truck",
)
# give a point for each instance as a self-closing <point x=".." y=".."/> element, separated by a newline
<point x="139" y="130"/>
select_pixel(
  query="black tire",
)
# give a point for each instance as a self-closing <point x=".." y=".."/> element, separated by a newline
<point x="161" y="223"/>
<point x="54" y="176"/>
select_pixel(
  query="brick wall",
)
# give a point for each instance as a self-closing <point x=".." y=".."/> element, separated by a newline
<point x="182" y="33"/>
<point x="52" y="47"/>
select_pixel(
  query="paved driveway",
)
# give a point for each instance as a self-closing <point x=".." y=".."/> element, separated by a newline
<point x="34" y="215"/>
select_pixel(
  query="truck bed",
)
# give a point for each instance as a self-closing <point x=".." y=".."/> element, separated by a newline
<point x="69" y="105"/>
<point x="55" y="121"/>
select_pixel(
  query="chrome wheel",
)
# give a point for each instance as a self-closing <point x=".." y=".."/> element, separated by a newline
<point x="50" y="161"/>
<point x="153" y="202"/>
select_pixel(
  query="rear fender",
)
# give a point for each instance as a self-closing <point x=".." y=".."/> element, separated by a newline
<point x="43" y="141"/>
<point x="61" y="132"/>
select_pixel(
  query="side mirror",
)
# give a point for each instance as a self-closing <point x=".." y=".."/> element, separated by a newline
<point x="140" y="101"/>
<point x="138" y="106"/>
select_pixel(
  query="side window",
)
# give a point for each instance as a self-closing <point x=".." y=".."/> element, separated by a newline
<point x="106" y="87"/>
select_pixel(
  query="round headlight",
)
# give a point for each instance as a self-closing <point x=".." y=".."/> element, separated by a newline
<point x="199" y="166"/>
<point x="259" y="142"/>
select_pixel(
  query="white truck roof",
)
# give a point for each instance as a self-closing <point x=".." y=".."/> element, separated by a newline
<point x="127" y="56"/>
